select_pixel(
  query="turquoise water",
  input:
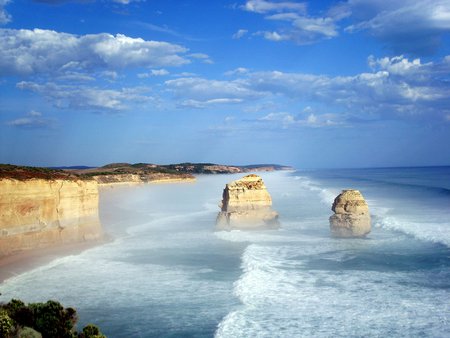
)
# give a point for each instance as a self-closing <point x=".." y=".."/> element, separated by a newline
<point x="169" y="274"/>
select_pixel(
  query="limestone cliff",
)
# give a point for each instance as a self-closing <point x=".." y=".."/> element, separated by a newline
<point x="352" y="217"/>
<point x="246" y="204"/>
<point x="130" y="179"/>
<point x="36" y="213"/>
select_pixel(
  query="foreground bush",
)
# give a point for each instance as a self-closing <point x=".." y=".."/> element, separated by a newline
<point x="46" y="320"/>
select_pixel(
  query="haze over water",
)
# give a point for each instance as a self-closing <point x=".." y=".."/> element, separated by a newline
<point x="167" y="273"/>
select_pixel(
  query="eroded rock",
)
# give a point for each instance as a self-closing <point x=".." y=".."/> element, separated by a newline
<point x="352" y="217"/>
<point x="246" y="204"/>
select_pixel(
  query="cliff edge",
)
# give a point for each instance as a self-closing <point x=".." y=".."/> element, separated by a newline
<point x="44" y="209"/>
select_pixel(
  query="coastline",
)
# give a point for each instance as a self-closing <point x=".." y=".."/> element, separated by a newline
<point x="26" y="260"/>
<point x="158" y="181"/>
<point x="23" y="261"/>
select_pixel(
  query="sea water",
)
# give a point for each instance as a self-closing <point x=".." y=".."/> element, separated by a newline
<point x="168" y="273"/>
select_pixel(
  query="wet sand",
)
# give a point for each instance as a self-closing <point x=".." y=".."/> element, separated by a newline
<point x="16" y="264"/>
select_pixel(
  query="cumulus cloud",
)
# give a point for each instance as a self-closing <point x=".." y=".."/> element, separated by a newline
<point x="406" y="26"/>
<point x="87" y="98"/>
<point x="32" y="120"/>
<point x="273" y="36"/>
<point x="201" y="56"/>
<point x="396" y="87"/>
<point x="237" y="71"/>
<point x="299" y="26"/>
<point x="287" y="120"/>
<point x="240" y="34"/>
<point x="153" y="73"/>
<point x="4" y="16"/>
<point x="203" y="89"/>
<point x="38" y="51"/>
<point x="263" y="6"/>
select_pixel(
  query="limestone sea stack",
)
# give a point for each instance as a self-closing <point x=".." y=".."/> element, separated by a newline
<point x="351" y="215"/>
<point x="246" y="204"/>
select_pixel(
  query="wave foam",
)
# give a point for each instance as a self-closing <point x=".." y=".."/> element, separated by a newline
<point x="283" y="297"/>
<point x="425" y="231"/>
<point x="326" y="195"/>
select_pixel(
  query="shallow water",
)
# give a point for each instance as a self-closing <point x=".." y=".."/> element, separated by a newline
<point x="168" y="274"/>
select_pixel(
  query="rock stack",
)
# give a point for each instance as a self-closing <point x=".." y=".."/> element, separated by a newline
<point x="351" y="215"/>
<point x="246" y="204"/>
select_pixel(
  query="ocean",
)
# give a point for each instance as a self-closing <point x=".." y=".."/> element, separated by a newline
<point x="168" y="273"/>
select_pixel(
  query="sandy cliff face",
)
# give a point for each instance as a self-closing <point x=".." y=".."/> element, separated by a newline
<point x="352" y="217"/>
<point x="246" y="204"/>
<point x="130" y="179"/>
<point x="39" y="213"/>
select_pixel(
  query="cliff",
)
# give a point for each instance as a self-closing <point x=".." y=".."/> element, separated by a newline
<point x="352" y="217"/>
<point x="40" y="212"/>
<point x="114" y="179"/>
<point x="126" y="173"/>
<point x="246" y="204"/>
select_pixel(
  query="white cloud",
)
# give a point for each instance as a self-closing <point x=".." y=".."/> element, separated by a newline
<point x="87" y="98"/>
<point x="395" y="86"/>
<point x="185" y="74"/>
<point x="396" y="65"/>
<point x="154" y="72"/>
<point x="109" y="74"/>
<point x="240" y="33"/>
<point x="201" y="56"/>
<point x="287" y="120"/>
<point x="300" y="28"/>
<point x="29" y="52"/>
<point x="263" y="6"/>
<point x="202" y="89"/>
<point x="406" y="26"/>
<point x="4" y="16"/>
<point x="203" y="104"/>
<point x="32" y="120"/>
<point x="273" y="36"/>
<point x="237" y="71"/>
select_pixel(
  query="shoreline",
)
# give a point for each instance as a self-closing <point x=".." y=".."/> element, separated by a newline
<point x="23" y="261"/>
<point x="27" y="260"/>
<point x="159" y="181"/>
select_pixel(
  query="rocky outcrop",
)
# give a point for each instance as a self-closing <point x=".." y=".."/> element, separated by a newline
<point x="36" y="213"/>
<point x="352" y="217"/>
<point x="246" y="204"/>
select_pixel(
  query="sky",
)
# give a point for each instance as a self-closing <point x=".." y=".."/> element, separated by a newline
<point x="312" y="84"/>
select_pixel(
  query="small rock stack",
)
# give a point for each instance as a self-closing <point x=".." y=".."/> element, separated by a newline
<point x="246" y="204"/>
<point x="352" y="217"/>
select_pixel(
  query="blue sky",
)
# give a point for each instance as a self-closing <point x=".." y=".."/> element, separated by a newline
<point x="356" y="83"/>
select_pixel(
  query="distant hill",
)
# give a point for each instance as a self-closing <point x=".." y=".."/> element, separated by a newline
<point x="71" y="167"/>
<point x="26" y="173"/>
<point x="180" y="168"/>
<point x="146" y="171"/>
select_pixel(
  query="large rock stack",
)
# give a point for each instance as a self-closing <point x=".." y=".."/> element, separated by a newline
<point x="246" y="204"/>
<point x="352" y="217"/>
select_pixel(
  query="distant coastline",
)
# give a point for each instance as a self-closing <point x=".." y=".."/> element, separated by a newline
<point x="48" y="213"/>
